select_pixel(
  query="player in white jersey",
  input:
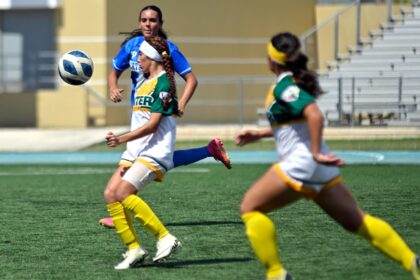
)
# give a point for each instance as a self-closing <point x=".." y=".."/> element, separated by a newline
<point x="150" y="24"/>
<point x="306" y="168"/>
<point x="153" y="131"/>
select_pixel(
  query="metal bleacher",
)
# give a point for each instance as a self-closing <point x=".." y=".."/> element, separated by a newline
<point x="378" y="82"/>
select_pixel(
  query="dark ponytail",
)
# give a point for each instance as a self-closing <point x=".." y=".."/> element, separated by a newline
<point x="160" y="45"/>
<point x="296" y="62"/>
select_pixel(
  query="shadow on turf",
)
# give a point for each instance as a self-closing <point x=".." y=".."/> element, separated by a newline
<point x="205" y="223"/>
<point x="179" y="264"/>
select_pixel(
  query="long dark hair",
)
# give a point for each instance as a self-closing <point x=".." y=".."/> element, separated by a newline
<point x="138" y="32"/>
<point x="160" y="45"/>
<point x="296" y="62"/>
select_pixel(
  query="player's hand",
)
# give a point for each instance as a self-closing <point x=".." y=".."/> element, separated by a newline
<point x="116" y="94"/>
<point x="329" y="159"/>
<point x="247" y="136"/>
<point x="112" y="140"/>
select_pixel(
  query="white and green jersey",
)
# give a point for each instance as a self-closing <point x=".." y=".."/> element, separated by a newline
<point x="284" y="107"/>
<point x="158" y="146"/>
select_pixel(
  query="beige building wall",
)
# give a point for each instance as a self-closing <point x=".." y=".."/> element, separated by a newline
<point x="225" y="39"/>
<point x="219" y="38"/>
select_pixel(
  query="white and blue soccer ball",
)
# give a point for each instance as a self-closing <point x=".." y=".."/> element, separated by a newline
<point x="75" y="67"/>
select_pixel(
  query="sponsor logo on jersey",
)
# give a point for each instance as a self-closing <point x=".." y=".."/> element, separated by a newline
<point x="290" y="94"/>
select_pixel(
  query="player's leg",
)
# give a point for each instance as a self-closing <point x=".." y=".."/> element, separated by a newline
<point x="267" y="194"/>
<point x="113" y="182"/>
<point x="213" y="149"/>
<point x="185" y="157"/>
<point x="340" y="205"/>
<point x="137" y="177"/>
<point x="122" y="221"/>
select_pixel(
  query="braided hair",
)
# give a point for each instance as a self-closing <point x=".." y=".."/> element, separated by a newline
<point x="137" y="32"/>
<point x="296" y="62"/>
<point x="162" y="48"/>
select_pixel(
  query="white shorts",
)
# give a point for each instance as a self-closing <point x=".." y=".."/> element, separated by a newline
<point x="143" y="171"/>
<point x="301" y="172"/>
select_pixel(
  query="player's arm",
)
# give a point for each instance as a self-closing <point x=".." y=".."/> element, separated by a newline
<point x="183" y="68"/>
<point x="115" y="93"/>
<point x="148" y="128"/>
<point x="190" y="86"/>
<point x="249" y="136"/>
<point x="315" y="121"/>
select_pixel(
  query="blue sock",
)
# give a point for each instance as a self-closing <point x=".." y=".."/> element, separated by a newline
<point x="185" y="157"/>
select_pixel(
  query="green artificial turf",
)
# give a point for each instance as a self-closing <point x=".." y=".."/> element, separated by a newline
<point x="49" y="227"/>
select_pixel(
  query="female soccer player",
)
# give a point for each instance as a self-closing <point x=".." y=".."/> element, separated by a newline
<point x="306" y="167"/>
<point x="153" y="129"/>
<point x="150" y="24"/>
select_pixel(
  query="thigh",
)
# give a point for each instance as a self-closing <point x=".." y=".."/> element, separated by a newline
<point x="338" y="202"/>
<point x="268" y="193"/>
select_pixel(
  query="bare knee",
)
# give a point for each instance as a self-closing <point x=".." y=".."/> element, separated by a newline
<point x="110" y="195"/>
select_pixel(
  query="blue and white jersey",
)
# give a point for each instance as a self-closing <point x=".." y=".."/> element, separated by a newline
<point x="128" y="57"/>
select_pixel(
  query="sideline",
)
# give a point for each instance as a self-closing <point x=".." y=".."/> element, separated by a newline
<point x="237" y="157"/>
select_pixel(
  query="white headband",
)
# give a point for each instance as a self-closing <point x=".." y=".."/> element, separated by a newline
<point x="150" y="51"/>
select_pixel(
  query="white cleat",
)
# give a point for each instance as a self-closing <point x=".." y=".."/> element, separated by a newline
<point x="132" y="257"/>
<point x="165" y="247"/>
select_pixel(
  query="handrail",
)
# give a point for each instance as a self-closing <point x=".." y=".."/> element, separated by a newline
<point x="315" y="28"/>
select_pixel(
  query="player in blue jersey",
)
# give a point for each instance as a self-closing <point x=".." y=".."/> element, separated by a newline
<point x="306" y="168"/>
<point x="150" y="24"/>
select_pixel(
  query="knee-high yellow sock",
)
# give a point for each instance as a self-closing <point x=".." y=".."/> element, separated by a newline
<point x="145" y="215"/>
<point x="122" y="225"/>
<point x="261" y="233"/>
<point x="383" y="237"/>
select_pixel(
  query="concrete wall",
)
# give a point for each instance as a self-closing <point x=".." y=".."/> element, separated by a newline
<point x="219" y="38"/>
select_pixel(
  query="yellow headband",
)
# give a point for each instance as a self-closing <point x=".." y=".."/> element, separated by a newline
<point x="274" y="54"/>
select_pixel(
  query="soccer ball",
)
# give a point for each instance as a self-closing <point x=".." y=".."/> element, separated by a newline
<point x="75" y="67"/>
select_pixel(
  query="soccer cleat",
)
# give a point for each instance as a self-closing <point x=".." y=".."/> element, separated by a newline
<point x="132" y="258"/>
<point x="216" y="149"/>
<point x="415" y="268"/>
<point x="165" y="247"/>
<point x="284" y="275"/>
<point x="107" y="222"/>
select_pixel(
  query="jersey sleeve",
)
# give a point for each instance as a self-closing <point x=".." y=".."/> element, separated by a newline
<point x="293" y="98"/>
<point x="122" y="61"/>
<point x="162" y="91"/>
<point x="181" y="64"/>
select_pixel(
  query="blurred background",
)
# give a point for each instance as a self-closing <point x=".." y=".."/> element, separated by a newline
<point x="365" y="53"/>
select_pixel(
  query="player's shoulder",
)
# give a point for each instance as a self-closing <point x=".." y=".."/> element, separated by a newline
<point x="286" y="82"/>
<point x="172" y="47"/>
<point x="134" y="42"/>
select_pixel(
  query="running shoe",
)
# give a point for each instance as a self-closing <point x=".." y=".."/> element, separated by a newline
<point x="132" y="258"/>
<point x="166" y="246"/>
<point x="216" y="149"/>
<point x="107" y="222"/>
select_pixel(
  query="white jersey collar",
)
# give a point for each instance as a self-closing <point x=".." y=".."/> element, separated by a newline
<point x="284" y="74"/>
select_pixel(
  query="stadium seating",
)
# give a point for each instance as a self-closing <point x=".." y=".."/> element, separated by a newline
<point x="377" y="82"/>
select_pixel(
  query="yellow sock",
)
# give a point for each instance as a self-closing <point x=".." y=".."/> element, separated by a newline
<point x="145" y="215"/>
<point x="383" y="237"/>
<point x="130" y="223"/>
<point x="122" y="226"/>
<point x="261" y="233"/>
